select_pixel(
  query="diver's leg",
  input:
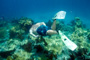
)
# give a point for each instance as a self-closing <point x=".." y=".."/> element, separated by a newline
<point x="53" y="27"/>
<point x="51" y="32"/>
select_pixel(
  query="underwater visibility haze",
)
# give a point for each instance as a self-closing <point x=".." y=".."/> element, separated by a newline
<point x="71" y="43"/>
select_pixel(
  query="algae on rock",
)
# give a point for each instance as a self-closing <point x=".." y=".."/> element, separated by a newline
<point x="54" y="44"/>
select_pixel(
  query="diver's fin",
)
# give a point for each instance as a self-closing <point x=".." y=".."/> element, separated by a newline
<point x="60" y="15"/>
<point x="71" y="45"/>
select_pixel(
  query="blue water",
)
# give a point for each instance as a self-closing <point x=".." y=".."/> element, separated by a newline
<point x="44" y="10"/>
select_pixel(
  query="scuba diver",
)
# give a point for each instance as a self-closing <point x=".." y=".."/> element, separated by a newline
<point x="40" y="29"/>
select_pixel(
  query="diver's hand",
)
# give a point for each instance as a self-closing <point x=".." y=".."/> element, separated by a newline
<point x="36" y="36"/>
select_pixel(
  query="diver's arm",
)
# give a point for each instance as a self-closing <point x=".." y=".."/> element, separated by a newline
<point x="42" y="23"/>
<point x="32" y="33"/>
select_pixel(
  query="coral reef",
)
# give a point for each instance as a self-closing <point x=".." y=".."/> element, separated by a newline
<point x="5" y="54"/>
<point x="3" y="23"/>
<point x="27" y="47"/>
<point x="3" y="33"/>
<point x="25" y="23"/>
<point x="17" y="44"/>
<point x="23" y="54"/>
<point x="54" y="44"/>
<point x="88" y="34"/>
<point x="79" y="36"/>
<point x="16" y="32"/>
<point x="15" y="57"/>
<point x="78" y="22"/>
<point x="49" y="23"/>
<point x="9" y="45"/>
